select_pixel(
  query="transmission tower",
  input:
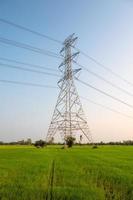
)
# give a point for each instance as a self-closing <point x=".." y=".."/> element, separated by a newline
<point x="68" y="117"/>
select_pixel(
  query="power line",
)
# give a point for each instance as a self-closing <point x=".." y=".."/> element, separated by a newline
<point x="105" y="80"/>
<point x="58" y="41"/>
<point x="29" y="30"/>
<point x="29" y="47"/>
<point x="53" y="87"/>
<point x="29" y="70"/>
<point x="107" y="108"/>
<point x="28" y="64"/>
<point x="27" y="84"/>
<point x="105" y="93"/>
<point x="104" y="67"/>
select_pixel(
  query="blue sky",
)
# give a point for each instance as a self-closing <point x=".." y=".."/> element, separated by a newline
<point x="105" y="31"/>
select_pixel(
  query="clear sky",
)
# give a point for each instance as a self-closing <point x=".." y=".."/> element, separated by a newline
<point x="105" y="31"/>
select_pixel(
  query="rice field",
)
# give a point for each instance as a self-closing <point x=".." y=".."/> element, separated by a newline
<point x="79" y="173"/>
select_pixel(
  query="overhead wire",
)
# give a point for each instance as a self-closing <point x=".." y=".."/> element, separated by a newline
<point x="106" y="107"/>
<point x="60" y="42"/>
<point x="29" y="47"/>
<point x="28" y="64"/>
<point x="42" y="51"/>
<point x="29" y="30"/>
<point x="104" y="67"/>
<point x="27" y="84"/>
<point x="54" y="87"/>
<point x="27" y="69"/>
<point x="103" y="79"/>
<point x="105" y="93"/>
<point x="5" y="21"/>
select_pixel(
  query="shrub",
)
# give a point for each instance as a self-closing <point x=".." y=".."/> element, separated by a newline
<point x="70" y="141"/>
<point x="40" y="143"/>
<point x="94" y="147"/>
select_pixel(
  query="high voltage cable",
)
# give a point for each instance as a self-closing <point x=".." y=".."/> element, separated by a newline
<point x="53" y="87"/>
<point x="106" y="68"/>
<point x="57" y="75"/>
<point x="29" y="30"/>
<point x="27" y="83"/>
<point x="35" y="49"/>
<point x="105" y="93"/>
<point x="41" y="72"/>
<point x="49" y="86"/>
<point x="29" y="70"/>
<point x="107" y="108"/>
<point x="105" y="80"/>
<point x="58" y="41"/>
<point x="22" y="45"/>
<point x="29" y="47"/>
<point x="28" y="64"/>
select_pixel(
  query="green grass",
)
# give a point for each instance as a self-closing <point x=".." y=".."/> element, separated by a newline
<point x="79" y="173"/>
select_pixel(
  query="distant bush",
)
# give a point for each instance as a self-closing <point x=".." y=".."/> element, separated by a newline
<point x="128" y="142"/>
<point x="40" y="143"/>
<point x="70" y="141"/>
<point x="94" y="147"/>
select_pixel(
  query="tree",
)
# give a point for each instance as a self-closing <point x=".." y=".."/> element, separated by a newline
<point x="70" y="141"/>
<point x="40" y="143"/>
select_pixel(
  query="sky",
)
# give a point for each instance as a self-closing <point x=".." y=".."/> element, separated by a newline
<point x="105" y="32"/>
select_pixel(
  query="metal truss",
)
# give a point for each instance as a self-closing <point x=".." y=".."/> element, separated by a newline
<point x="68" y="117"/>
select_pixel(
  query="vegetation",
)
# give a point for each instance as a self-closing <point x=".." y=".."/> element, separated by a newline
<point x="70" y="141"/>
<point x="20" y="142"/>
<point x="29" y="142"/>
<point x="78" y="173"/>
<point x="94" y="146"/>
<point x="40" y="143"/>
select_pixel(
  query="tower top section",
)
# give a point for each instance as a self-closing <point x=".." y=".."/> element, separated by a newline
<point x="69" y="41"/>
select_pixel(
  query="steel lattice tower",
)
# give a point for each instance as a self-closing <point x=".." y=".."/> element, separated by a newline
<point x="68" y="117"/>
